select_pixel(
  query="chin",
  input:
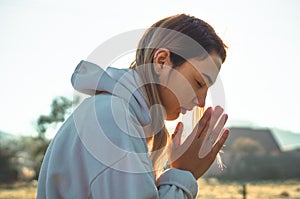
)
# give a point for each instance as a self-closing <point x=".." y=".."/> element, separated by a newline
<point x="172" y="116"/>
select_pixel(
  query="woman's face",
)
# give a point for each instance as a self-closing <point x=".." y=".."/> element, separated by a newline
<point x="185" y="86"/>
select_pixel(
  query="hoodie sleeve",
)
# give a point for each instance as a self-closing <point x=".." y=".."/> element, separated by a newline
<point x="173" y="184"/>
<point x="177" y="184"/>
<point x="132" y="176"/>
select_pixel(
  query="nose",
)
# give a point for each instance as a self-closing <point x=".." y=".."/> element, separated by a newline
<point x="200" y="97"/>
<point x="199" y="101"/>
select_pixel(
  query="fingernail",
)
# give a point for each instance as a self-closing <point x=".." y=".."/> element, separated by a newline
<point x="208" y="112"/>
<point x="227" y="131"/>
<point x="226" y="118"/>
<point x="179" y="126"/>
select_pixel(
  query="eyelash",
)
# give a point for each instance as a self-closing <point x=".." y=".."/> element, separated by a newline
<point x="200" y="84"/>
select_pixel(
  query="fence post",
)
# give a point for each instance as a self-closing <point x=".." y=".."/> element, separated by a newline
<point x="244" y="191"/>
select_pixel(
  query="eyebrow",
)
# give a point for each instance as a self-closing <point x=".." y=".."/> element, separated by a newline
<point x="208" y="78"/>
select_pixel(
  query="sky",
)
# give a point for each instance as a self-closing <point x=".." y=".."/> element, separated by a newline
<point x="41" y="42"/>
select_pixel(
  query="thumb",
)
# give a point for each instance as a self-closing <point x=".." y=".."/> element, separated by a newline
<point x="176" y="136"/>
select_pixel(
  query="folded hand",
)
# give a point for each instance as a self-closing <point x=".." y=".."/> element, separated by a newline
<point x="199" y="150"/>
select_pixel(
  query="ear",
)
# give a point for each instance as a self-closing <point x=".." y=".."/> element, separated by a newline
<point x="161" y="59"/>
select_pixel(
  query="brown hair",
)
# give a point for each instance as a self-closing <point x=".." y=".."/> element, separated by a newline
<point x="185" y="37"/>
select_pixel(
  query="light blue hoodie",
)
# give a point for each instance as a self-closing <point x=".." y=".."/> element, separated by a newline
<point x="100" y="151"/>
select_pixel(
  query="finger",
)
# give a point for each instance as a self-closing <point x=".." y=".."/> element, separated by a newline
<point x="176" y="136"/>
<point x="197" y="131"/>
<point x="204" y="132"/>
<point x="218" y="129"/>
<point x="205" y="145"/>
<point x="179" y="124"/>
<point x="217" y="112"/>
<point x="203" y="124"/>
<point x="220" y="126"/>
<point x="220" y="143"/>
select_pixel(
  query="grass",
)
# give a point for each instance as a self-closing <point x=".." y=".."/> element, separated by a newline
<point x="214" y="189"/>
<point x="18" y="190"/>
<point x="208" y="189"/>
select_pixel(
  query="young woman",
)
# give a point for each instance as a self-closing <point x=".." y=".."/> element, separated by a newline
<point x="115" y="144"/>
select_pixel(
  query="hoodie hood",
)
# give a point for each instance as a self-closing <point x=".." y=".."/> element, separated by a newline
<point x="89" y="78"/>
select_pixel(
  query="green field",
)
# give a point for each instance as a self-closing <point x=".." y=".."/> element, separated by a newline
<point x="210" y="188"/>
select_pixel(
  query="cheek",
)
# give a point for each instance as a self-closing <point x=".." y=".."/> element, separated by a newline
<point x="173" y="101"/>
<point x="171" y="104"/>
<point x="184" y="90"/>
<point x="178" y="92"/>
<point x="186" y="94"/>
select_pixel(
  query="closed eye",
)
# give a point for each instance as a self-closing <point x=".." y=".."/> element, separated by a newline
<point x="200" y="84"/>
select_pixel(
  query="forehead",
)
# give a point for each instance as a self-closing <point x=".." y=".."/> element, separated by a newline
<point x="208" y="68"/>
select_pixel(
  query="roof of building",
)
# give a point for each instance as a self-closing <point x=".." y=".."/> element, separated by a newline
<point x="262" y="135"/>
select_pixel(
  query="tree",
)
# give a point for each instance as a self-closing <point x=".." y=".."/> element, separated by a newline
<point x="60" y="109"/>
<point x="8" y="168"/>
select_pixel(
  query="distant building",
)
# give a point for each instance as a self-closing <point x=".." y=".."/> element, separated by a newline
<point x="263" y="136"/>
<point x="244" y="141"/>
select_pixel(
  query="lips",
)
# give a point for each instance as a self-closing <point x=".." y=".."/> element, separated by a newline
<point x="184" y="110"/>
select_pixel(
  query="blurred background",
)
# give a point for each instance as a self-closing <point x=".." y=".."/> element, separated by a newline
<point x="41" y="42"/>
